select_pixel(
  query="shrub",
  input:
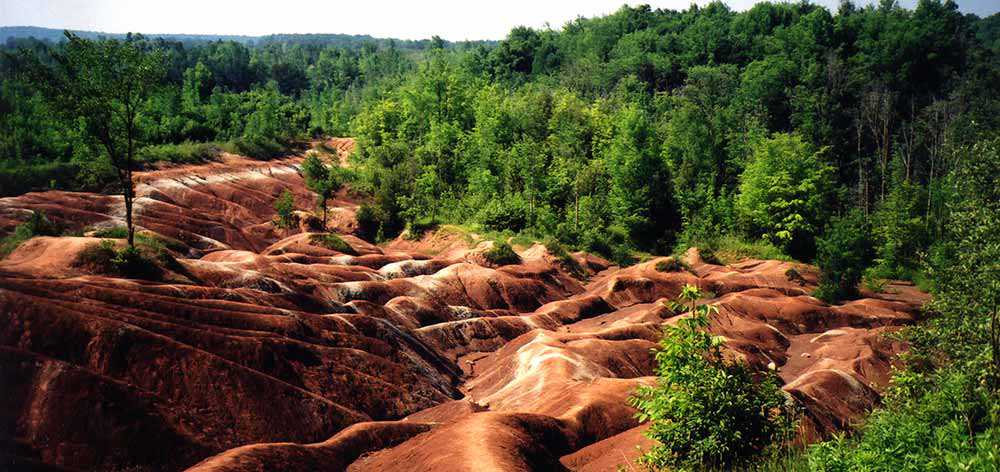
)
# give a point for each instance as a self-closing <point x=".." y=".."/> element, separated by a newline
<point x="706" y="411"/>
<point x="783" y="192"/>
<point x="611" y="242"/>
<point x="98" y="257"/>
<point x="36" y="225"/>
<point x="256" y="147"/>
<point x="416" y="229"/>
<point x="153" y="242"/>
<point x="794" y="276"/>
<point x="284" y="206"/>
<point x="730" y="249"/>
<point x="942" y="421"/>
<point x="708" y="256"/>
<point x="17" y="177"/>
<point x="130" y="261"/>
<point x="843" y="254"/>
<point x="117" y="232"/>
<point x="182" y="153"/>
<point x="502" y="254"/>
<point x="565" y="258"/>
<point x="670" y="264"/>
<point x="900" y="231"/>
<point x="504" y="215"/>
<point x="873" y="282"/>
<point x="334" y="242"/>
<point x="370" y="222"/>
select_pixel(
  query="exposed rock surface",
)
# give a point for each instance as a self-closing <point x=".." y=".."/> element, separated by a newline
<point x="275" y="353"/>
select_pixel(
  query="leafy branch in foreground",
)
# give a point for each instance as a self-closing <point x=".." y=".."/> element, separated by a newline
<point x="707" y="411"/>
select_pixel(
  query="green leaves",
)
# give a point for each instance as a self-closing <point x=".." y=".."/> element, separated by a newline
<point x="706" y="410"/>
<point x="784" y="191"/>
<point x="842" y="254"/>
<point x="284" y="206"/>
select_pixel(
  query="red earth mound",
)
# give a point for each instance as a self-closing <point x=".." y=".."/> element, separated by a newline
<point x="274" y="352"/>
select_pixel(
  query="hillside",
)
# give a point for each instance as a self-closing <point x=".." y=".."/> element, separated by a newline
<point x="260" y="349"/>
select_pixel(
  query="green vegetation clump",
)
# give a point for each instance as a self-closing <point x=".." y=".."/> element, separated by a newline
<point x="21" y="177"/>
<point x="793" y="275"/>
<point x="943" y="420"/>
<point x="671" y="264"/>
<point x="417" y="229"/>
<point x="873" y="281"/>
<point x="784" y="192"/>
<point x="151" y="254"/>
<point x="504" y="215"/>
<point x="501" y="254"/>
<point x="322" y="178"/>
<point x="941" y="411"/>
<point x="566" y="259"/>
<point x="284" y="207"/>
<point x="707" y="411"/>
<point x="730" y="249"/>
<point x="843" y="254"/>
<point x="130" y="261"/>
<point x="152" y="241"/>
<point x="257" y="147"/>
<point x="181" y="153"/>
<point x="370" y="223"/>
<point x="334" y="242"/>
<point x="115" y="232"/>
<point x="36" y="225"/>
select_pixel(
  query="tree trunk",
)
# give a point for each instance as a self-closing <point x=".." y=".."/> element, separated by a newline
<point x="128" y="207"/>
<point x="128" y="221"/>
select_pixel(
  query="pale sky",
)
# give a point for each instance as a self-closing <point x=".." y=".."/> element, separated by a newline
<point x="406" y="19"/>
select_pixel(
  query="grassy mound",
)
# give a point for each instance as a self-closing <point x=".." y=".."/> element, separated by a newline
<point x="37" y="225"/>
<point x="333" y="242"/>
<point x="502" y="254"/>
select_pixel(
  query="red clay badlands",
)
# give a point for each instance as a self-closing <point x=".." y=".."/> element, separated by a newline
<point x="264" y="351"/>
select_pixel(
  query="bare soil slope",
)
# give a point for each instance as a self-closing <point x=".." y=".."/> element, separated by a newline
<point x="275" y="353"/>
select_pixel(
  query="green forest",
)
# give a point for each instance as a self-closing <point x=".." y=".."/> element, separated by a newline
<point x="864" y="140"/>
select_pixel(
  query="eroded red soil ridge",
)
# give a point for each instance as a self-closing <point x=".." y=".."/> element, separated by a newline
<point x="265" y="351"/>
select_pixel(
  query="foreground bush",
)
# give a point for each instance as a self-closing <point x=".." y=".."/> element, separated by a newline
<point x="941" y="421"/>
<point x="942" y="410"/>
<point x="706" y="411"/>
